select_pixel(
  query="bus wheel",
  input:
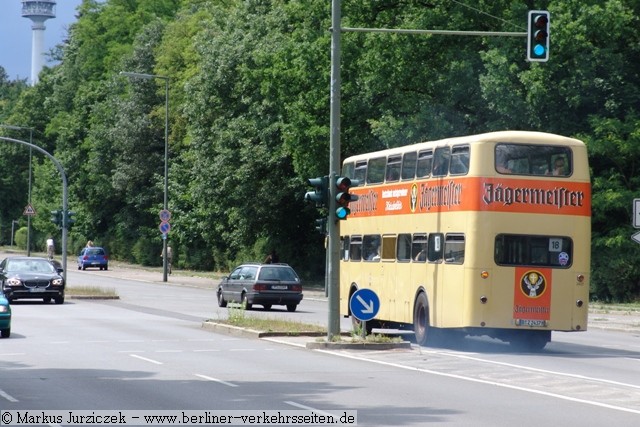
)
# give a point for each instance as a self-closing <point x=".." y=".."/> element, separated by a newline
<point x="421" y="326"/>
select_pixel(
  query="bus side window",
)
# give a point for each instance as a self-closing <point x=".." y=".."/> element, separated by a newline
<point x="435" y="248"/>
<point x="409" y="165"/>
<point x="345" y="242"/>
<point x="375" y="170"/>
<point x="360" y="172"/>
<point x="355" y="248"/>
<point x="441" y="161"/>
<point x="459" y="160"/>
<point x="371" y="247"/>
<point x="393" y="169"/>
<point x="425" y="159"/>
<point x="419" y="248"/>
<point x="348" y="169"/>
<point x="454" y="249"/>
<point x="389" y="247"/>
<point x="403" y="251"/>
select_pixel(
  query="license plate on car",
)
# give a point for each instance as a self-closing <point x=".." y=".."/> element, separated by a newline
<point x="36" y="290"/>
<point x="279" y="287"/>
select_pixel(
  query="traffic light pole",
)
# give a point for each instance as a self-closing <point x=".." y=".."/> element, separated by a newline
<point x="333" y="228"/>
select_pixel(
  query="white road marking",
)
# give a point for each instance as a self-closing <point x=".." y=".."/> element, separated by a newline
<point x="308" y="408"/>
<point x="205" y="377"/>
<point x="481" y="381"/>
<point x="8" y="396"/>
<point x="146" y="359"/>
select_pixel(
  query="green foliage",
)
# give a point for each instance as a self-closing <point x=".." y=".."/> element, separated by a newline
<point x="249" y="96"/>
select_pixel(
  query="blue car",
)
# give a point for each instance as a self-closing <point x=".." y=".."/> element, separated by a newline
<point x="5" y="317"/>
<point x="93" y="256"/>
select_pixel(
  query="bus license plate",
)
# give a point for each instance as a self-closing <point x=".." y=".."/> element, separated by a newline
<point x="532" y="322"/>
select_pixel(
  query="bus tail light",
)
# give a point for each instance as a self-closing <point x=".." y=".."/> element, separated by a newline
<point x="484" y="274"/>
<point x="579" y="303"/>
<point x="580" y="278"/>
<point x="483" y="299"/>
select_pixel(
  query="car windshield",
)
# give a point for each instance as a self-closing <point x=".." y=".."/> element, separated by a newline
<point x="39" y="266"/>
<point x="277" y="273"/>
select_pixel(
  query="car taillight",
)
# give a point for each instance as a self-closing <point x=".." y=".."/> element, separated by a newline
<point x="259" y="287"/>
<point x="84" y="258"/>
<point x="297" y="288"/>
<point x="106" y="257"/>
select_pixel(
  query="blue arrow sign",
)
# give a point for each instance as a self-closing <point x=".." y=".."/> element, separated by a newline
<point x="364" y="304"/>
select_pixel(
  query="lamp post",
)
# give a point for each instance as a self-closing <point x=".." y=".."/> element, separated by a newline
<point x="29" y="192"/>
<point x="165" y="261"/>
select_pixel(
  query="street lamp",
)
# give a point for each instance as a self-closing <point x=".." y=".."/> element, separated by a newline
<point x="165" y="261"/>
<point x="29" y="193"/>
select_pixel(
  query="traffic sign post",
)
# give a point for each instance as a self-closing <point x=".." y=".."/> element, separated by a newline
<point x="364" y="305"/>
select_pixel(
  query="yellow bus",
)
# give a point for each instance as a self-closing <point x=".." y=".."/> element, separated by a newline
<point x="481" y="235"/>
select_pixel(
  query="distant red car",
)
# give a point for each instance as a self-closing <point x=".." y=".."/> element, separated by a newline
<point x="93" y="257"/>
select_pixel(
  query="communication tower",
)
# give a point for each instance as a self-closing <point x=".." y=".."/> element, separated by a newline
<point x="38" y="11"/>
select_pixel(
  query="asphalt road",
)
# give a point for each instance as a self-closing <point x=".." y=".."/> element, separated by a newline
<point x="149" y="351"/>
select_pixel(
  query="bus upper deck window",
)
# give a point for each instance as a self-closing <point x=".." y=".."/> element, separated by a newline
<point x="409" y="161"/>
<point x="425" y="159"/>
<point x="360" y="171"/>
<point x="441" y="161"/>
<point x="375" y="170"/>
<point x="348" y="169"/>
<point x="393" y="169"/>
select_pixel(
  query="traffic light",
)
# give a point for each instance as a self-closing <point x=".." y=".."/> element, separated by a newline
<point x="69" y="219"/>
<point x="538" y="36"/>
<point x="343" y="197"/>
<point x="56" y="217"/>
<point x="321" y="225"/>
<point x="320" y="196"/>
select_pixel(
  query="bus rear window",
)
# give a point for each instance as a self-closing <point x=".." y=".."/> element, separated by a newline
<point x="528" y="159"/>
<point x="543" y="251"/>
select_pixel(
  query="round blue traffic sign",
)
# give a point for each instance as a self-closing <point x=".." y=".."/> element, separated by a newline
<point x="364" y="304"/>
<point x="164" y="227"/>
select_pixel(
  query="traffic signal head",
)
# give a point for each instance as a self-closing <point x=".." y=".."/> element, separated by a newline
<point x="321" y="225"/>
<point x="320" y="196"/>
<point x="343" y="197"/>
<point x="538" y="36"/>
<point x="56" y="217"/>
<point x="69" y="219"/>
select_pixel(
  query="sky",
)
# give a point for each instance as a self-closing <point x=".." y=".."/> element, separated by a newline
<point x="15" y="35"/>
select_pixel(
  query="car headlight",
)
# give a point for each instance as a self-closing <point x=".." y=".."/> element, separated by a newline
<point x="56" y="282"/>
<point x="4" y="309"/>
<point x="14" y="282"/>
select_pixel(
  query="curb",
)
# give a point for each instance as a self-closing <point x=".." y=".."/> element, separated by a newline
<point x="318" y="345"/>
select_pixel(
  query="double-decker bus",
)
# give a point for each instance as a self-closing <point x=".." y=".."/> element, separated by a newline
<point x="480" y="235"/>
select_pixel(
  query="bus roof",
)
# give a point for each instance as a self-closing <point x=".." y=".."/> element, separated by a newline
<point x="501" y="136"/>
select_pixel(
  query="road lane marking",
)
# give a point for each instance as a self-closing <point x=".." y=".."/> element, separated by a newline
<point x="482" y="381"/>
<point x="308" y="408"/>
<point x="8" y="396"/>
<point x="215" y="380"/>
<point x="146" y="359"/>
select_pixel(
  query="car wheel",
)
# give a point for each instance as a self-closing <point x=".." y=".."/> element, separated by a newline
<point x="84" y="267"/>
<point x="46" y="300"/>
<point x="221" y="301"/>
<point x="5" y="333"/>
<point x="245" y="302"/>
<point x="79" y="268"/>
<point x="60" y="299"/>
<point x="106" y="268"/>
<point x="292" y="307"/>
<point x="267" y="306"/>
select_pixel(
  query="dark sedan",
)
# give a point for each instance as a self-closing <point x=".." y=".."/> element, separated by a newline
<point x="264" y="284"/>
<point x="30" y="278"/>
